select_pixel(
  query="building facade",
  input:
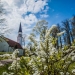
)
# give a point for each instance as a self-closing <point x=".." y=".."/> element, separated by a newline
<point x="8" y="45"/>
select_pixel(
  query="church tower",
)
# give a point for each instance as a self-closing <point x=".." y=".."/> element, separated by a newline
<point x="19" y="38"/>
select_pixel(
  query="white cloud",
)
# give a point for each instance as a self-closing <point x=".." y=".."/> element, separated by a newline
<point x="30" y="19"/>
<point x="39" y="5"/>
<point x="44" y="16"/>
<point x="9" y="2"/>
<point x="17" y="12"/>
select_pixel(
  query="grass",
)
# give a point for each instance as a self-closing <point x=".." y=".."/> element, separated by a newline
<point x="1" y="53"/>
<point x="4" y="68"/>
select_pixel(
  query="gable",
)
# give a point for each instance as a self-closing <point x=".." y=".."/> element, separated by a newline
<point x="11" y="43"/>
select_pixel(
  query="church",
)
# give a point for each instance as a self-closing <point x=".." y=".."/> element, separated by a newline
<point x="8" y="45"/>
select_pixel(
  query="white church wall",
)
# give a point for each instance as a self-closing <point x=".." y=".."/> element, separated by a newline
<point x="11" y="49"/>
<point x="3" y="45"/>
<point x="20" y="52"/>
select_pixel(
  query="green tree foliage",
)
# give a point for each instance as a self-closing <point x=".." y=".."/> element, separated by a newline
<point x="48" y="60"/>
<point x="39" y="32"/>
<point x="40" y="29"/>
<point x="55" y="38"/>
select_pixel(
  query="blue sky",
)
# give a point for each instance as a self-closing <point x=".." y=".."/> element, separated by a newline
<point x="60" y="10"/>
<point x="29" y="12"/>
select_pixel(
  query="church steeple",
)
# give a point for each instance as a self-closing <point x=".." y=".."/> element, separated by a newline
<point x="19" y="38"/>
<point x="20" y="28"/>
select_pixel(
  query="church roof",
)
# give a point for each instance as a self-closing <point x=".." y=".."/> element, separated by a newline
<point x="20" y="28"/>
<point x="12" y="43"/>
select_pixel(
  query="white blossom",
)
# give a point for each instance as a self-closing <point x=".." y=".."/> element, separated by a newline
<point x="33" y="40"/>
<point x="15" y="53"/>
<point x="50" y="30"/>
<point x="5" y="73"/>
<point x="73" y="58"/>
<point x="14" y="65"/>
<point x="45" y="66"/>
<point x="5" y="55"/>
<point x="61" y="73"/>
<point x="73" y="71"/>
<point x="59" y="34"/>
<point x="36" y="73"/>
<point x="67" y="73"/>
<point x="43" y="59"/>
<point x="30" y="63"/>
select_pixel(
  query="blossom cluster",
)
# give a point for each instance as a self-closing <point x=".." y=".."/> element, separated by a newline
<point x="5" y="73"/>
<point x="45" y="59"/>
<point x="6" y="56"/>
<point x="15" y="64"/>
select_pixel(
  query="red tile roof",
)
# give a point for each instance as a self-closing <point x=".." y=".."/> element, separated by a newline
<point x="12" y="43"/>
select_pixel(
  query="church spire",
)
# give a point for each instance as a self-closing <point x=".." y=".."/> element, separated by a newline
<point x="19" y="37"/>
<point x="20" y="28"/>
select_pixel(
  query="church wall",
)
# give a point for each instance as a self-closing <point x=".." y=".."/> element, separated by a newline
<point x="20" y="52"/>
<point x="11" y="49"/>
<point x="3" y="45"/>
